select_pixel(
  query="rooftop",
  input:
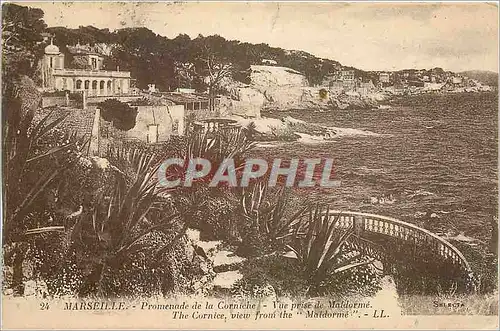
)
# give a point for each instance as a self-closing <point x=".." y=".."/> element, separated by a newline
<point x="52" y="49"/>
<point x="91" y="73"/>
<point x="182" y="98"/>
<point x="77" y="121"/>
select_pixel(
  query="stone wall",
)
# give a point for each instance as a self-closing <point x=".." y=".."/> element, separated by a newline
<point x="52" y="101"/>
<point x="169" y="119"/>
<point x="122" y="98"/>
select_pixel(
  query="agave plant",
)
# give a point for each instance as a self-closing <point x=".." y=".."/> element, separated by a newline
<point x="268" y="214"/>
<point x="199" y="202"/>
<point x="216" y="147"/>
<point x="28" y="156"/>
<point x="320" y="246"/>
<point x="115" y="227"/>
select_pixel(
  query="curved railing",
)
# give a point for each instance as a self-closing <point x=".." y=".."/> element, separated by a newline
<point x="391" y="227"/>
<point x="212" y="125"/>
<point x="217" y="125"/>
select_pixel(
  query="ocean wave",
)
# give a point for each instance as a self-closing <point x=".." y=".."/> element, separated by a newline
<point x="310" y="139"/>
<point x="269" y="144"/>
<point x="420" y="193"/>
<point x="343" y="132"/>
<point x="335" y="132"/>
<point x="367" y="170"/>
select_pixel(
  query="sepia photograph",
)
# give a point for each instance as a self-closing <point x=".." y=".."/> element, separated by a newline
<point x="249" y="165"/>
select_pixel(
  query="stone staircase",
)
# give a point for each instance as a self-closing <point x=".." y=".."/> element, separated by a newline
<point x="225" y="263"/>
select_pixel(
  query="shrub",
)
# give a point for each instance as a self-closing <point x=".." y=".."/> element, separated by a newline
<point x="288" y="279"/>
<point x="364" y="280"/>
<point x="282" y="274"/>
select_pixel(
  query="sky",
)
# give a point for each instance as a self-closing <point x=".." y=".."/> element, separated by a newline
<point x="369" y="36"/>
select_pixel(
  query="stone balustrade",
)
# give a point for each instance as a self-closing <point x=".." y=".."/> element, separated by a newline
<point x="382" y="226"/>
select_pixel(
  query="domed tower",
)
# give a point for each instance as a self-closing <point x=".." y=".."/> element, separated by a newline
<point x="52" y="49"/>
<point x="53" y="59"/>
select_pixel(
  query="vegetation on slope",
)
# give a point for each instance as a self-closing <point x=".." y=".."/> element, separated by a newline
<point x="146" y="54"/>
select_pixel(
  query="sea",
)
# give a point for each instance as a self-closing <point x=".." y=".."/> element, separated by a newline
<point x="431" y="160"/>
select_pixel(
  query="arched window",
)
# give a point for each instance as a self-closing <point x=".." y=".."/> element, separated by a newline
<point x="79" y="84"/>
<point x="87" y="84"/>
<point x="101" y="85"/>
<point x="94" y="85"/>
<point x="109" y="85"/>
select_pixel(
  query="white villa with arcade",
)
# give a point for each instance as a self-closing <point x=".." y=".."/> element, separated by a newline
<point x="89" y="77"/>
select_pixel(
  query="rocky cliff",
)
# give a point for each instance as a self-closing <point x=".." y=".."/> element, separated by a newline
<point x="281" y="88"/>
<point x="242" y="100"/>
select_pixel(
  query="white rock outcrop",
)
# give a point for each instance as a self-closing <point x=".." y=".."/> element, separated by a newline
<point x="283" y="88"/>
<point x="270" y="76"/>
<point x="243" y="100"/>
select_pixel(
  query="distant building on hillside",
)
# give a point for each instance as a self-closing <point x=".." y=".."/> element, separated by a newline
<point x="336" y="87"/>
<point x="340" y="81"/>
<point x="347" y="75"/>
<point x="87" y="76"/>
<point x="416" y="83"/>
<point x="152" y="88"/>
<point x="365" y="88"/>
<point x="456" y="80"/>
<point x="384" y="77"/>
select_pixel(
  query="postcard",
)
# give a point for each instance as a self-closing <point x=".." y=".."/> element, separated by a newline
<point x="249" y="165"/>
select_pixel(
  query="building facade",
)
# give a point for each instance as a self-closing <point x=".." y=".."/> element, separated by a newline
<point x="347" y="75"/>
<point x="269" y="62"/>
<point x="384" y="77"/>
<point x="88" y="77"/>
<point x="365" y="88"/>
<point x="157" y="123"/>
